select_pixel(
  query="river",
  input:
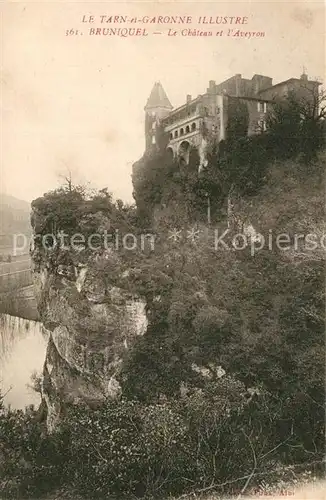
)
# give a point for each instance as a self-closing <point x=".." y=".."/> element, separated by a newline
<point x="22" y="353"/>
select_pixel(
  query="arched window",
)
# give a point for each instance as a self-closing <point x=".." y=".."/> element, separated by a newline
<point x="176" y="133"/>
<point x="193" y="126"/>
<point x="181" y="131"/>
<point x="187" y="129"/>
<point x="171" y="135"/>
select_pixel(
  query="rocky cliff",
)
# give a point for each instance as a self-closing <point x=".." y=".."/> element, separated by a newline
<point x="91" y="323"/>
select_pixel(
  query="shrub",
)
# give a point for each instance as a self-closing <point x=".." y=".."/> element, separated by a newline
<point x="109" y="446"/>
<point x="208" y="436"/>
<point x="129" y="447"/>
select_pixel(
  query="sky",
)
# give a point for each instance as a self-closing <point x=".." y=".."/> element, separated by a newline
<point x="77" y="102"/>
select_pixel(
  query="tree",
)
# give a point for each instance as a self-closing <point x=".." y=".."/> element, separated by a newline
<point x="296" y="125"/>
<point x="313" y="114"/>
<point x="284" y="127"/>
<point x="238" y="119"/>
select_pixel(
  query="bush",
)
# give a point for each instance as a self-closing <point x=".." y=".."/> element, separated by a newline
<point x="208" y="436"/>
<point x="109" y="446"/>
<point x="131" y="448"/>
<point x="30" y="461"/>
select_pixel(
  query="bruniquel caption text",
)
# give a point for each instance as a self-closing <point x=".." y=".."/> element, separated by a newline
<point x="125" y="26"/>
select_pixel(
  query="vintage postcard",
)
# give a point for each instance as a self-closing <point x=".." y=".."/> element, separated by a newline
<point x="162" y="250"/>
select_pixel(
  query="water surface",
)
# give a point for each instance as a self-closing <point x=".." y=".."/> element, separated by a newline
<point x="22" y="353"/>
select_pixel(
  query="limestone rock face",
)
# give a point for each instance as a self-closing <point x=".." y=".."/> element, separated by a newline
<point x="91" y="322"/>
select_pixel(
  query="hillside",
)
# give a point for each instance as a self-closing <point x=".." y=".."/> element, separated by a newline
<point x="194" y="363"/>
<point x="14" y="219"/>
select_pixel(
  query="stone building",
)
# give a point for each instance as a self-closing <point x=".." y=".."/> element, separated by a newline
<point x="206" y="116"/>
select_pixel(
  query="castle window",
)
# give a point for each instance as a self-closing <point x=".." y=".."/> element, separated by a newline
<point x="261" y="107"/>
<point x="265" y="107"/>
<point x="193" y="126"/>
<point x="181" y="131"/>
<point x="176" y="133"/>
<point x="153" y="139"/>
<point x="187" y="129"/>
<point x="171" y="135"/>
<point x="154" y="125"/>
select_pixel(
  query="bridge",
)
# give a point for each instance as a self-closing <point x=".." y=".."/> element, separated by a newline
<point x="16" y="288"/>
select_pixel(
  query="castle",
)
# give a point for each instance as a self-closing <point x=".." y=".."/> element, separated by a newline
<point x="208" y="114"/>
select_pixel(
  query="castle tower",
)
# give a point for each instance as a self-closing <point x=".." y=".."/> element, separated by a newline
<point x="157" y="107"/>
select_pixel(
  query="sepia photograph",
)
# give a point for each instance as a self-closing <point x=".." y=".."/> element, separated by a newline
<point x="162" y="250"/>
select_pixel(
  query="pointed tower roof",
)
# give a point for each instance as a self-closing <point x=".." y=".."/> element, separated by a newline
<point x="158" y="98"/>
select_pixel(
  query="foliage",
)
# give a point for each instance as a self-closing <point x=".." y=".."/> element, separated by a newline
<point x="30" y="461"/>
<point x="296" y="125"/>
<point x="260" y="317"/>
<point x="150" y="174"/>
<point x="238" y="121"/>
<point x="206" y="437"/>
<point x="70" y="212"/>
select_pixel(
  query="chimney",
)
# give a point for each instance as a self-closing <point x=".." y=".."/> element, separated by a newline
<point x="238" y="79"/>
<point x="188" y="98"/>
<point x="304" y="77"/>
<point x="212" y="85"/>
